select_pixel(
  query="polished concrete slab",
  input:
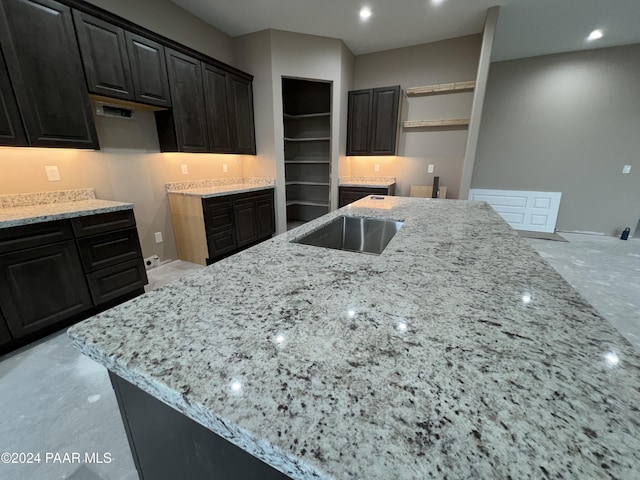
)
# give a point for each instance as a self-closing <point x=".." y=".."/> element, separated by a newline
<point x="55" y="400"/>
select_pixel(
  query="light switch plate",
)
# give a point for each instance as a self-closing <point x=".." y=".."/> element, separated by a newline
<point x="626" y="169"/>
<point x="184" y="168"/>
<point x="430" y="169"/>
<point x="53" y="174"/>
<point x="225" y="167"/>
<point x="376" y="167"/>
<point x="158" y="237"/>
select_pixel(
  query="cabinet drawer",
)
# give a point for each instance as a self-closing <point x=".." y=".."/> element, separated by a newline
<point x="221" y="243"/>
<point x="104" y="222"/>
<point x="27" y="236"/>
<point x="113" y="282"/>
<point x="218" y="215"/>
<point x="100" y="251"/>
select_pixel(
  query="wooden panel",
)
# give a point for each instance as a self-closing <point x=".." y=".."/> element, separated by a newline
<point x="216" y="96"/>
<point x="452" y="122"/>
<point x="241" y="115"/>
<point x="107" y="249"/>
<point x="149" y="70"/>
<point x="104" y="222"/>
<point x="265" y="215"/>
<point x="189" y="115"/>
<point x="453" y="87"/>
<point x="221" y="243"/>
<point x="104" y="57"/>
<point x="188" y="227"/>
<point x="37" y="234"/>
<point x="42" y="286"/>
<point x="51" y="93"/>
<point x="244" y="215"/>
<point x="11" y="129"/>
<point x="5" y="335"/>
<point x="426" y="191"/>
<point x="113" y="282"/>
<point x="358" y="122"/>
<point x="384" y="120"/>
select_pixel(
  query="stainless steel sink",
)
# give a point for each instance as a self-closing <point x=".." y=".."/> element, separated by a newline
<point x="365" y="235"/>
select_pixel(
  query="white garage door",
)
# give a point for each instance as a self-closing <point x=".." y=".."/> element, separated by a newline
<point x="523" y="210"/>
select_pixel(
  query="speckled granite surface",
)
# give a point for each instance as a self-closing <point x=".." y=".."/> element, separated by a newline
<point x="24" y="209"/>
<point x="457" y="353"/>
<point x="220" y="186"/>
<point x="361" y="181"/>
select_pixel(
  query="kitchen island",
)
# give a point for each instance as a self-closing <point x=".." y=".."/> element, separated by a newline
<point x="458" y="352"/>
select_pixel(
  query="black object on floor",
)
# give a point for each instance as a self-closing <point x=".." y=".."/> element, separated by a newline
<point x="625" y="233"/>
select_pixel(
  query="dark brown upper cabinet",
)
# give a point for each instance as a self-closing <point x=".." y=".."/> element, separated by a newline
<point x="184" y="129"/>
<point x="149" y="70"/>
<point x="43" y="60"/>
<point x="241" y="115"/>
<point x="212" y="109"/>
<point x="104" y="57"/>
<point x="11" y="129"/>
<point x="372" y="124"/>
<point x="216" y="94"/>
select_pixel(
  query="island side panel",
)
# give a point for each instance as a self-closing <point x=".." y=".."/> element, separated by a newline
<point x="188" y="228"/>
<point x="166" y="445"/>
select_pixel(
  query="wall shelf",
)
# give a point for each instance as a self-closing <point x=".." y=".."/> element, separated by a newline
<point x="310" y="139"/>
<point x="451" y="122"/>
<point x="307" y="160"/>
<point x="305" y="182"/>
<point x="288" y="116"/>
<point x="439" y="88"/>
<point x="308" y="203"/>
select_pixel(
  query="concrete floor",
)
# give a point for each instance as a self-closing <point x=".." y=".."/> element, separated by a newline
<point x="55" y="400"/>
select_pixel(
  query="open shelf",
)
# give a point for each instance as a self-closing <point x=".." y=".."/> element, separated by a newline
<point x="309" y="139"/>
<point x="439" y="88"/>
<point x="306" y="182"/>
<point x="306" y="115"/>
<point x="451" y="122"/>
<point x="309" y="203"/>
<point x="308" y="160"/>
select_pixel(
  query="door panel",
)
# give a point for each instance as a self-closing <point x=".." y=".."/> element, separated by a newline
<point x="11" y="129"/>
<point x="216" y="95"/>
<point x="358" y="122"/>
<point x="149" y="70"/>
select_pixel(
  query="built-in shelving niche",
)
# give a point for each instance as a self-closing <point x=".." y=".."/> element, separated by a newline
<point x="307" y="148"/>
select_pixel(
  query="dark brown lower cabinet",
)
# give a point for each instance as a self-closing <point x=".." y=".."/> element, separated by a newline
<point x="347" y="195"/>
<point x="42" y="286"/>
<point x="55" y="273"/>
<point x="244" y="213"/>
<point x="5" y="336"/>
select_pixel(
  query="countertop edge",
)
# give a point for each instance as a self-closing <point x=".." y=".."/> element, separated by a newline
<point x="192" y="192"/>
<point x="50" y="217"/>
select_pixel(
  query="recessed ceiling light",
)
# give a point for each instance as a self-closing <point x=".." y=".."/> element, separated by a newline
<point x="365" y="13"/>
<point x="437" y="2"/>
<point x="595" y="35"/>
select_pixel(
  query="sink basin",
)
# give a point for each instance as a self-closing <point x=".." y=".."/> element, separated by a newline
<point x="365" y="235"/>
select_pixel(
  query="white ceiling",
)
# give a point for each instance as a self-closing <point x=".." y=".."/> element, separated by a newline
<point x="525" y="27"/>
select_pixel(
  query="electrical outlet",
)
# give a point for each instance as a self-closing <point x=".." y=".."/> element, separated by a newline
<point x="152" y="261"/>
<point x="184" y="169"/>
<point x="158" y="237"/>
<point x="430" y="169"/>
<point x="53" y="174"/>
<point x="225" y="167"/>
<point x="626" y="169"/>
<point x="376" y="167"/>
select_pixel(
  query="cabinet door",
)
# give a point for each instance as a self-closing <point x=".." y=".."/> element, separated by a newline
<point x="41" y="51"/>
<point x="384" y="120"/>
<point x="215" y="95"/>
<point x="244" y="213"/>
<point x="42" y="286"/>
<point x="265" y="213"/>
<point x="5" y="336"/>
<point x="104" y="57"/>
<point x="11" y="130"/>
<point x="358" y="122"/>
<point x="185" y="82"/>
<point x="149" y="70"/>
<point x="241" y="115"/>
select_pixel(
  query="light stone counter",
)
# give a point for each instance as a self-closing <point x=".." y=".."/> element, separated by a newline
<point x="29" y="208"/>
<point x="360" y="181"/>
<point x="220" y="187"/>
<point x="458" y="353"/>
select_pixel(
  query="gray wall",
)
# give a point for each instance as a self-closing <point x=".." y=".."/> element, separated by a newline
<point x="439" y="62"/>
<point x="567" y="123"/>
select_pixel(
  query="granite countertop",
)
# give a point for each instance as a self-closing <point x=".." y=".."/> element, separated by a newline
<point x="219" y="187"/>
<point x="376" y="182"/>
<point x="28" y="208"/>
<point x="458" y="353"/>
